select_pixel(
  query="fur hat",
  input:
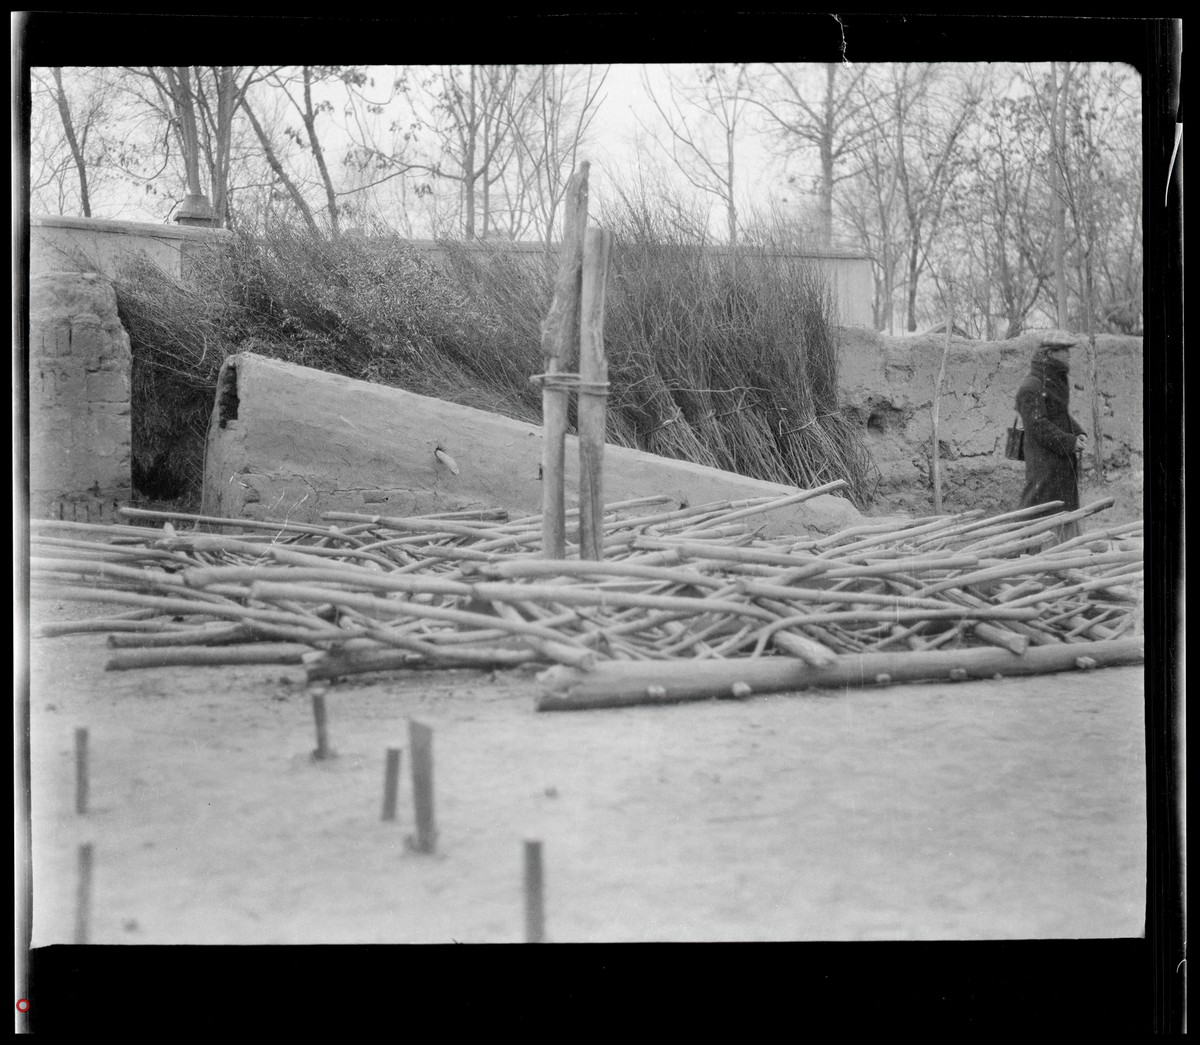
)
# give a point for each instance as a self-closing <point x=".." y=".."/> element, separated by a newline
<point x="1057" y="339"/>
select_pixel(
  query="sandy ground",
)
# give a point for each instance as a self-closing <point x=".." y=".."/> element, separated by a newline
<point x="973" y="811"/>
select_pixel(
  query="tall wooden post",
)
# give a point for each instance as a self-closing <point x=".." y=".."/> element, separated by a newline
<point x="593" y="393"/>
<point x="560" y="333"/>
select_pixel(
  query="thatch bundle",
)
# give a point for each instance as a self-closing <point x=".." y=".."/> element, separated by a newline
<point x="727" y="360"/>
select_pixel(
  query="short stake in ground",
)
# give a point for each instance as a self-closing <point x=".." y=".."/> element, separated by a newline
<point x="391" y="783"/>
<point x="420" y="745"/>
<point x="322" y="751"/>
<point x="83" y="898"/>
<point x="535" y="910"/>
<point x="81" y="770"/>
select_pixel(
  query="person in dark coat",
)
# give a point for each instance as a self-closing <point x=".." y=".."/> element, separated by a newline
<point x="1054" y="440"/>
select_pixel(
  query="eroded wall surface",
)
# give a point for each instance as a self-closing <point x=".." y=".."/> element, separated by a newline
<point x="287" y="441"/>
<point x="888" y="385"/>
<point x="79" y="401"/>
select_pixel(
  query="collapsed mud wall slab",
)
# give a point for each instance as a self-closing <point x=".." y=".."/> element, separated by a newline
<point x="887" y="384"/>
<point x="287" y="441"/>
<point x="79" y="398"/>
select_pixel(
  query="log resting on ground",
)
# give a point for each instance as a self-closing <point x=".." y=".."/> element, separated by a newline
<point x="626" y="683"/>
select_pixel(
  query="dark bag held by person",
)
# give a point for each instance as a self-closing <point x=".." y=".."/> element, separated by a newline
<point x="1014" y="445"/>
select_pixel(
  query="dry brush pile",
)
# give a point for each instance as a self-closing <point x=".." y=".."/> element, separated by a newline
<point x="724" y="360"/>
<point x="685" y="603"/>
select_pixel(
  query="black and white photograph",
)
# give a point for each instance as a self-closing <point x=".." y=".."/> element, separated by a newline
<point x="601" y="481"/>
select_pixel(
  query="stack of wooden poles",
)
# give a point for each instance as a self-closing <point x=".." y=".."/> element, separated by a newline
<point x="653" y="601"/>
<point x="685" y="600"/>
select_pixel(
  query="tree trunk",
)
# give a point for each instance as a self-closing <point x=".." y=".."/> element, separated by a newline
<point x="1058" y="117"/>
<point x="731" y="206"/>
<point x="64" y="112"/>
<point x="825" y="191"/>
<point x="310" y="125"/>
<point x="226" y="106"/>
<point x="273" y="161"/>
<point x="180" y="80"/>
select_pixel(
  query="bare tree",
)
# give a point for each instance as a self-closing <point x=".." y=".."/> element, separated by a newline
<point x="282" y="176"/>
<point x="999" y="239"/>
<point x="297" y="86"/>
<point x="73" y="136"/>
<point x="74" y="143"/>
<point x="476" y="105"/>
<point x="818" y="108"/>
<point x="551" y="125"/>
<point x="199" y="103"/>
<point x="1057" y="122"/>
<point x="933" y="165"/>
<point x="703" y="112"/>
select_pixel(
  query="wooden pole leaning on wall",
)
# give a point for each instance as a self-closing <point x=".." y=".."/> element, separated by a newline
<point x="593" y="392"/>
<point x="560" y="333"/>
<point x="936" y="456"/>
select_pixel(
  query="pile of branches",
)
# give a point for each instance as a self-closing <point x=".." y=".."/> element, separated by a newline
<point x="698" y="584"/>
<point x="723" y="359"/>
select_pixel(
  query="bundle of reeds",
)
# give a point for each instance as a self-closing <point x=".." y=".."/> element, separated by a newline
<point x="719" y="358"/>
<point x="696" y="585"/>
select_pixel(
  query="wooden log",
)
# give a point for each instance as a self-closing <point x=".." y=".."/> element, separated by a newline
<point x="271" y="525"/>
<point x="142" y="630"/>
<point x="623" y="684"/>
<point x="180" y="607"/>
<point x="1035" y="564"/>
<point x="208" y="656"/>
<point x="185" y="635"/>
<point x="806" y="649"/>
<point x="781" y="502"/>
<point x="1001" y="637"/>
<point x="987" y="526"/>
<point x="334" y="664"/>
<point x="389" y="608"/>
<point x="560" y="332"/>
<point x="592" y="410"/>
<point x="1042" y="525"/>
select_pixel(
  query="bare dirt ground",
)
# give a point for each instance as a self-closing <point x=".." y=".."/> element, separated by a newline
<point x="961" y="811"/>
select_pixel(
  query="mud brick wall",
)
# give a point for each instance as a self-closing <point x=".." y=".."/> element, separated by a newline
<point x="79" y="401"/>
<point x="887" y="384"/>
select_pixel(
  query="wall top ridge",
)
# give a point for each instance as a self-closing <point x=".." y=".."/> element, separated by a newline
<point x="127" y="228"/>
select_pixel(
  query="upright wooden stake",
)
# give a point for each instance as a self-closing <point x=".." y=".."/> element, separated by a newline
<point x="593" y="393"/>
<point x="81" y="770"/>
<point x="391" y="783"/>
<point x="535" y="909"/>
<point x="937" y="402"/>
<point x="83" y="897"/>
<point x="560" y="332"/>
<point x="322" y="750"/>
<point x="420" y="744"/>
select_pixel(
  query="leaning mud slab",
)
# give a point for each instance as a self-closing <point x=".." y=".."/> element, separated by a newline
<point x="289" y="441"/>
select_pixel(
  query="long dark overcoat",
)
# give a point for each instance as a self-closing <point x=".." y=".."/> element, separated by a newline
<point x="1051" y="467"/>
